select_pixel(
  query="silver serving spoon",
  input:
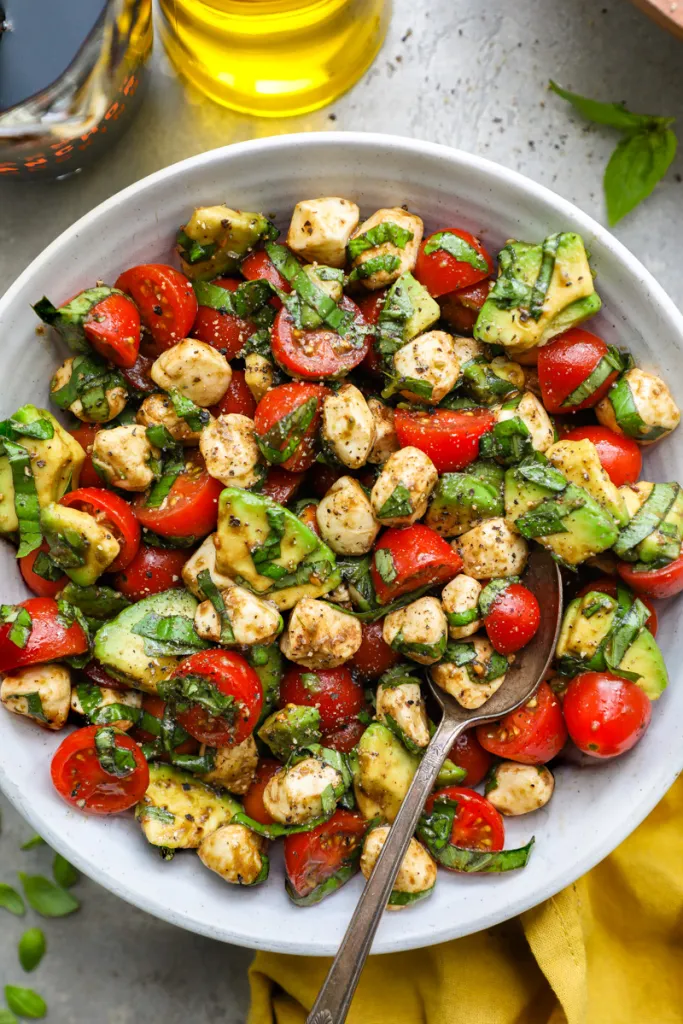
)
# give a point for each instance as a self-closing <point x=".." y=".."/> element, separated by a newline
<point x="525" y="675"/>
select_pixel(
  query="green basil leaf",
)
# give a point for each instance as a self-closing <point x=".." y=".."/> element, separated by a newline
<point x="169" y="635"/>
<point x="18" y="426"/>
<point x="421" y="388"/>
<point x="282" y="440"/>
<point x="194" y="689"/>
<point x="31" y="843"/>
<point x="492" y="592"/>
<point x="7" y="1017"/>
<point x="384" y="563"/>
<point x="173" y="465"/>
<point x="26" y="503"/>
<point x="21" y="622"/>
<point x="150" y="812"/>
<point x="545" y="274"/>
<point x="195" y="417"/>
<point x="397" y="504"/>
<point x="211" y="593"/>
<point x="635" y="167"/>
<point x="32" y="947"/>
<point x="386" y="231"/>
<point x="11" y="900"/>
<point x="46" y="568"/>
<point x="275" y="830"/>
<point x="457" y="247"/>
<point x="114" y="760"/>
<point x="384" y="263"/>
<point x="96" y="601"/>
<point x="397" y="675"/>
<point x="615" y="115"/>
<point x="46" y="898"/>
<point x="64" y="873"/>
<point x="25" y="1002"/>
<point x="192" y="251"/>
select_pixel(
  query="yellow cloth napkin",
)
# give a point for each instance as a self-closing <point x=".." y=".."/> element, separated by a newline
<point x="607" y="950"/>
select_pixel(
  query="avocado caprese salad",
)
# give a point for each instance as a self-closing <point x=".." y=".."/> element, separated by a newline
<point x="282" y="484"/>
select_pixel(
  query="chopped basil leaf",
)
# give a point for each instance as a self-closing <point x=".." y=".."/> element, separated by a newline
<point x="153" y="813"/>
<point x="420" y="388"/>
<point x="154" y="540"/>
<point x="310" y="681"/>
<point x="386" y="231"/>
<point x="538" y="470"/>
<point x="192" y="251"/>
<point x="508" y="442"/>
<point x="492" y="592"/>
<point x="183" y="691"/>
<point x="46" y="567"/>
<point x="169" y="635"/>
<point x="114" y="760"/>
<point x="275" y="830"/>
<point x="410" y="648"/>
<point x="11" y="900"/>
<point x="281" y="441"/>
<point x="25" y="1002"/>
<point x="397" y="675"/>
<point x="95" y="601"/>
<point x="385" y="263"/>
<point x="457" y="247"/>
<point x="212" y="593"/>
<point x="328" y="800"/>
<point x="21" y="623"/>
<point x="46" y="898"/>
<point x="32" y="947"/>
<point x="26" y="504"/>
<point x="187" y="410"/>
<point x="397" y="504"/>
<point x="173" y="464"/>
<point x="384" y="563"/>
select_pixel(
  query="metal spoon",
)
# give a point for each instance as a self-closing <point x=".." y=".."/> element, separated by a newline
<point x="525" y="675"/>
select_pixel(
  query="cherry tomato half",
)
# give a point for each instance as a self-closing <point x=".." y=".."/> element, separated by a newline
<point x="318" y="353"/>
<point x="664" y="582"/>
<point x="165" y="298"/>
<point x="311" y="858"/>
<point x="80" y="779"/>
<point x="461" y="308"/>
<point x="513" y="619"/>
<point x="36" y="583"/>
<point x="252" y="800"/>
<point x="190" y="508"/>
<point x="605" y="715"/>
<point x="440" y="272"/>
<point x="49" y="639"/>
<point x="151" y="571"/>
<point x="374" y="656"/>
<point x="477" y="824"/>
<point x="84" y="433"/>
<point x="113" y="329"/>
<point x="259" y="266"/>
<point x="608" y="585"/>
<point x="449" y="437"/>
<point x="223" y="330"/>
<point x="565" y="363"/>
<point x="420" y="557"/>
<point x="283" y="401"/>
<point x="346" y="737"/>
<point x="468" y="753"/>
<point x="113" y="512"/>
<point x="533" y="734"/>
<point x="233" y="677"/>
<point x="137" y="376"/>
<point x="371" y="306"/>
<point x="280" y="485"/>
<point x="308" y="517"/>
<point x="238" y="398"/>
<point x="96" y="672"/>
<point x="332" y="691"/>
<point x="620" y="456"/>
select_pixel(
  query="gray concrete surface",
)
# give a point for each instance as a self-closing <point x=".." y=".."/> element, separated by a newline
<point x="459" y="72"/>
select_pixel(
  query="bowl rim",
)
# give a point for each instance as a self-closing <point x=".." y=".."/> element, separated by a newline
<point x="644" y="801"/>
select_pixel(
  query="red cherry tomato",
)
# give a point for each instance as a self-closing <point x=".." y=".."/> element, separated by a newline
<point x="113" y="329"/>
<point x="165" y="299"/>
<point x="283" y="401"/>
<point x="665" y="582"/>
<point x="322" y="478"/>
<point x="223" y="330"/>
<point x="332" y="691"/>
<point x="619" y="455"/>
<point x="346" y="737"/>
<point x="80" y="779"/>
<point x="449" y="437"/>
<point x="608" y="585"/>
<point x="49" y="639"/>
<point x="152" y="571"/>
<point x="461" y="308"/>
<point x="84" y="433"/>
<point x="565" y="363"/>
<point x="533" y="734"/>
<point x="374" y="656"/>
<point x="281" y="485"/>
<point x="138" y="375"/>
<point x="232" y="676"/>
<point x="238" y="398"/>
<point x="468" y="753"/>
<point x="371" y="306"/>
<point x="36" y="583"/>
<point x="113" y="512"/>
<point x="98" y="674"/>
<point x="605" y="715"/>
<point x="420" y="558"/>
<point x="513" y="619"/>
<point x="191" y="507"/>
<point x="308" y="517"/>
<point x="440" y="272"/>
<point x="259" y="266"/>
<point x="477" y="824"/>
<point x="156" y="707"/>
<point x="252" y="800"/>
<point x="313" y="857"/>
<point x="318" y="353"/>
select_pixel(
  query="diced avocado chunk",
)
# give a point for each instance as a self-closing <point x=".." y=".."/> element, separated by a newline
<point x="580" y="463"/>
<point x="462" y="499"/>
<point x="55" y="462"/>
<point x="385" y="769"/>
<point x="216" y="238"/>
<point x="264" y="547"/>
<point x="178" y="810"/>
<point x="295" y="726"/>
<point x="267" y="663"/>
<point x="80" y="545"/>
<point x="122" y="652"/>
<point x="542" y="290"/>
<point x="586" y="623"/>
<point x="654" y="533"/>
<point x="425" y="309"/>
<point x="645" y="658"/>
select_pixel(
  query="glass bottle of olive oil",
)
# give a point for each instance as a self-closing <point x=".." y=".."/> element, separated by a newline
<point x="273" y="57"/>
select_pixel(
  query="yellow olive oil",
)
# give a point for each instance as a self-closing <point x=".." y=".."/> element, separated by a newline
<point x="273" y="57"/>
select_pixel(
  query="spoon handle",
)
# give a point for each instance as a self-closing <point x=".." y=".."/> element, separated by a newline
<point x="336" y="994"/>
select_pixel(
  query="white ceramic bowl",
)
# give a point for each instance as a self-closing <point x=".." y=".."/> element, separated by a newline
<point x="593" y="809"/>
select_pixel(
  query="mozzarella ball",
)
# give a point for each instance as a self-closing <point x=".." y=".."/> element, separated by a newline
<point x="348" y="426"/>
<point x="157" y="410"/>
<point x="520" y="788"/>
<point x="230" y="450"/>
<point x="492" y="549"/>
<point x="115" y="398"/>
<point x="653" y="402"/>
<point x="108" y="696"/>
<point x="430" y="358"/>
<point x="253" y="620"/>
<point x="460" y="597"/>
<point x="421" y="623"/>
<point x="405" y="705"/>
<point x="234" y="852"/>
<point x="258" y="375"/>
<point x="341" y="595"/>
<point x="294" y="795"/>
<point x="234" y="767"/>
<point x="319" y="636"/>
<point x="39" y="692"/>
<point x="345" y="518"/>
<point x="407" y="256"/>
<point x="204" y="558"/>
<point x="417" y="872"/>
<point x="123" y="455"/>
<point x="531" y="412"/>
<point x="321" y="228"/>
<point x="386" y="441"/>
<point x="456" y="679"/>
<point x="198" y="371"/>
<point x="413" y="472"/>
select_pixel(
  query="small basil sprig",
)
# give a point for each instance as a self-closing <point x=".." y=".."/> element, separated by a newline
<point x="32" y="947"/>
<point x="641" y="158"/>
<point x="46" y="898"/>
<point x="25" y="1002"/>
